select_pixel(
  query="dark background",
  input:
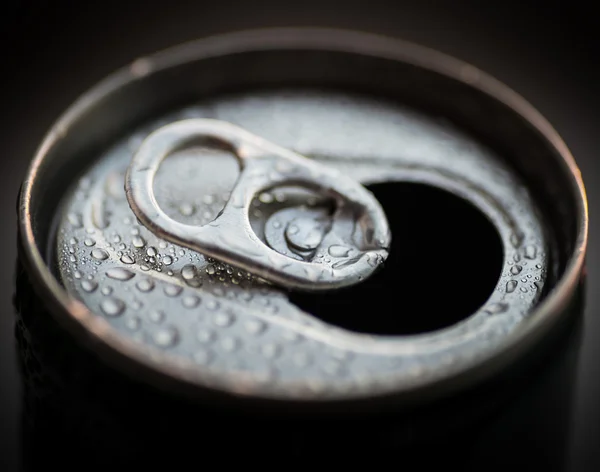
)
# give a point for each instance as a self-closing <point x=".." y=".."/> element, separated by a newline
<point x="52" y="51"/>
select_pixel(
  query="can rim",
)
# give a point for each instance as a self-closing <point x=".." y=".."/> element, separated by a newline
<point x="96" y="331"/>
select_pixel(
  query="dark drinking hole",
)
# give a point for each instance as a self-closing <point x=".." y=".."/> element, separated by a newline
<point x="445" y="261"/>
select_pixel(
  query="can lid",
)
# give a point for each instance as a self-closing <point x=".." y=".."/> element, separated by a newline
<point x="222" y="327"/>
<point x="173" y="315"/>
<point x="290" y="261"/>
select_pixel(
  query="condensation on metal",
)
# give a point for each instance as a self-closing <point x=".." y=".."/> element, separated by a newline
<point x="359" y="224"/>
<point x="232" y="325"/>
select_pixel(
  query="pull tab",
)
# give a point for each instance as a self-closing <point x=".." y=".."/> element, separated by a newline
<point x="264" y="166"/>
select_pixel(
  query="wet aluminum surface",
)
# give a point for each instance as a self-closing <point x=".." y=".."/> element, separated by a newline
<point x="243" y="334"/>
<point x="357" y="225"/>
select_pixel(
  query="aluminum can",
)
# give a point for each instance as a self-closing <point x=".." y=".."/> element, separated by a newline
<point x="293" y="244"/>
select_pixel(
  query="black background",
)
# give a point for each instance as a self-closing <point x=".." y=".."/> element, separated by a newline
<point x="52" y="51"/>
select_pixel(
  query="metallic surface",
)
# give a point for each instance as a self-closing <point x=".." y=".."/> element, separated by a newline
<point x="550" y="308"/>
<point x="359" y="234"/>
<point x="210" y="313"/>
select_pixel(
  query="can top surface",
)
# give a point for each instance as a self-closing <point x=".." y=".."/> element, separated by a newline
<point x="192" y="308"/>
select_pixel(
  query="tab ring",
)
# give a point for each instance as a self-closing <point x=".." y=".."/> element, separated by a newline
<point x="229" y="237"/>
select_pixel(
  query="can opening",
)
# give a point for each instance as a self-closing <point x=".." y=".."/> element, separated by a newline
<point x="445" y="261"/>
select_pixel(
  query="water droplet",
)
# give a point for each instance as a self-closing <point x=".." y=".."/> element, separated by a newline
<point x="166" y="337"/>
<point x="75" y="220"/>
<point x="187" y="209"/>
<point x="135" y="231"/>
<point x="172" y="290"/>
<point x="133" y="323"/>
<point x="156" y="316"/>
<point x="85" y="183"/>
<point x="167" y="260"/>
<point x="291" y="336"/>
<point x="523" y="289"/>
<point x="224" y="319"/>
<point x="511" y="285"/>
<point x="208" y="199"/>
<point x="265" y="197"/>
<point x="202" y="357"/>
<point x="127" y="259"/>
<point x="89" y="285"/>
<point x="210" y="270"/>
<point x="205" y="336"/>
<point x="106" y="290"/>
<point x="302" y="359"/>
<point x="72" y="258"/>
<point x="191" y="301"/>
<point x="229" y="344"/>
<point x="145" y="285"/>
<point x="151" y="251"/>
<point x="496" y="308"/>
<point x="338" y="251"/>
<point x="118" y="273"/>
<point x="77" y="274"/>
<point x="99" y="254"/>
<point x="116" y="238"/>
<point x="72" y="241"/>
<point x="516" y="238"/>
<point x="138" y="241"/>
<point x="99" y="215"/>
<point x="530" y="252"/>
<point x="162" y="245"/>
<point x="305" y="234"/>
<point x="270" y="350"/>
<point x="255" y="326"/>
<point x="190" y="275"/>
<point x="212" y="305"/>
<point x="112" y="306"/>
<point x="538" y="266"/>
<point x="516" y="269"/>
<point x="144" y="267"/>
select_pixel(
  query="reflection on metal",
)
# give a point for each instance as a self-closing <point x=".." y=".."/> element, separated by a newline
<point x="265" y="166"/>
